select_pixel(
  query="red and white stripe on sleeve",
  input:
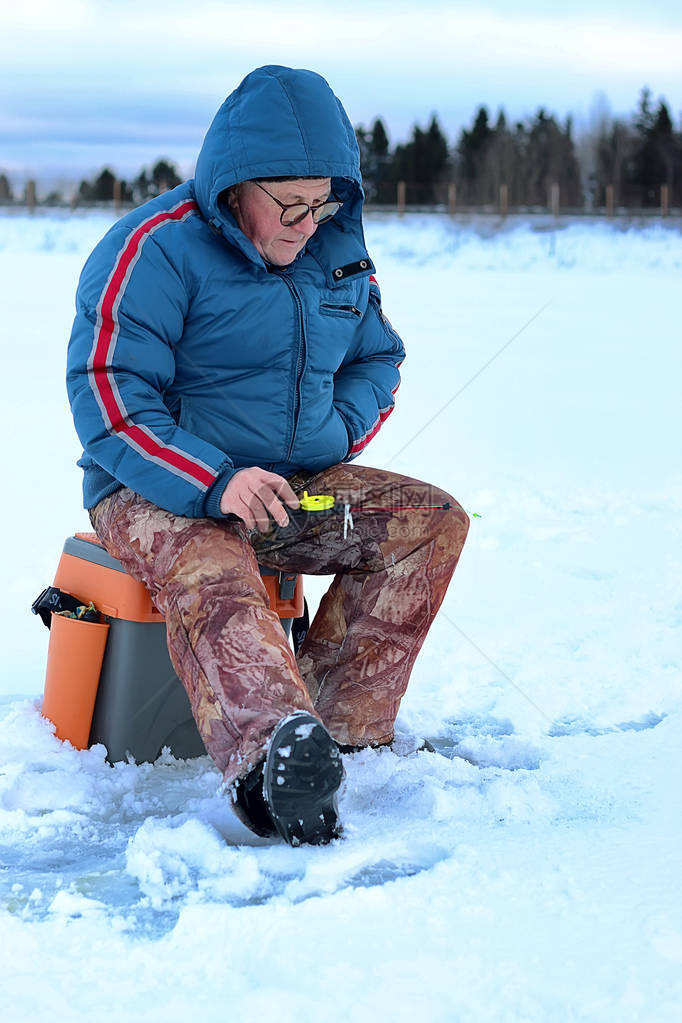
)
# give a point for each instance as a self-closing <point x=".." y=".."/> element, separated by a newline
<point x="101" y="375"/>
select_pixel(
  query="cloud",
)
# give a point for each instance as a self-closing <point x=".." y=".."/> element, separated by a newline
<point x="194" y="43"/>
<point x="149" y="70"/>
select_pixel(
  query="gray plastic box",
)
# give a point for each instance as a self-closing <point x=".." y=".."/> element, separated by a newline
<point x="141" y="705"/>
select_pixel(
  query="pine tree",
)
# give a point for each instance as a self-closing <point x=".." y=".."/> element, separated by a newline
<point x="6" y="196"/>
<point x="142" y="187"/>
<point x="471" y="153"/>
<point x="164" y="176"/>
<point x="362" y="138"/>
<point x="380" y="160"/>
<point x="374" y="161"/>
<point x="551" y="159"/>
<point x="498" y="162"/>
<point x="379" y="140"/>
<point x="103" y="188"/>
<point x="422" y="163"/>
<point x="654" y="151"/>
<point x="613" y="157"/>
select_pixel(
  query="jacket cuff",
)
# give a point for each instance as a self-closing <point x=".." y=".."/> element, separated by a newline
<point x="347" y="456"/>
<point x="215" y="492"/>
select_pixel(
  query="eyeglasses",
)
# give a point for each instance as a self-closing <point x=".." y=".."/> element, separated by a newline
<point x="295" y="212"/>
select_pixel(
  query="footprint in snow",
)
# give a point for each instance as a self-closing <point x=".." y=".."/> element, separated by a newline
<point x="579" y="726"/>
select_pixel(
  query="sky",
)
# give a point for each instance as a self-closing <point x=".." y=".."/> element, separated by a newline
<point x="84" y="83"/>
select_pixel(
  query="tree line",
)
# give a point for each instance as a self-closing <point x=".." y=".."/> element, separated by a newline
<point x="633" y="156"/>
<point x="106" y="187"/>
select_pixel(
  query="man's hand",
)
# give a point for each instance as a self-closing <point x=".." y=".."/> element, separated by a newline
<point x="253" y="493"/>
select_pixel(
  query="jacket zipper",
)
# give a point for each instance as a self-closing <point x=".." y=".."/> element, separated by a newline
<point x="300" y="359"/>
<point x="341" y="309"/>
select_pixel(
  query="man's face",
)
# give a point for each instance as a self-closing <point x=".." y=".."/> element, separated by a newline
<point x="259" y="216"/>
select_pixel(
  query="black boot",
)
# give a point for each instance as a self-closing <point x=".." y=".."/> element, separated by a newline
<point x="249" y="804"/>
<point x="301" y="777"/>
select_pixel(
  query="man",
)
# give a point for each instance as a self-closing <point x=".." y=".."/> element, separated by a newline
<point x="229" y="351"/>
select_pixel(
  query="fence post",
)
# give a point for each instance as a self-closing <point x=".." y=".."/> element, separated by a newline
<point x="609" y="200"/>
<point x="504" y="200"/>
<point x="554" y="199"/>
<point x="452" y="198"/>
<point x="31" y="195"/>
<point x="401" y="198"/>
<point x="665" y="200"/>
<point x="117" y="194"/>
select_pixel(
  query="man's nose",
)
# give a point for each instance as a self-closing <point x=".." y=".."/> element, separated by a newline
<point x="307" y="225"/>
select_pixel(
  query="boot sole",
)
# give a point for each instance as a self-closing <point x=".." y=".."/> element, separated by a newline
<point x="303" y="771"/>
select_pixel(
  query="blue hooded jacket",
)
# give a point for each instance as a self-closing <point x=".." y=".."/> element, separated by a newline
<point x="190" y="357"/>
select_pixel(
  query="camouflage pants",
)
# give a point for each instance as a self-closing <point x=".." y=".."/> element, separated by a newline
<point x="228" y="648"/>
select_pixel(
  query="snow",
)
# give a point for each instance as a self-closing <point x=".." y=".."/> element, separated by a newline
<point x="529" y="869"/>
<point x="302" y="732"/>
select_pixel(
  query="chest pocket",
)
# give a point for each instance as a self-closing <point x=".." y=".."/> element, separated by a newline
<point x="336" y="324"/>
<point x="342" y="309"/>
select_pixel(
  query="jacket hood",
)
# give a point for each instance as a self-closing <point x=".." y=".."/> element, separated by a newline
<point x="278" y="122"/>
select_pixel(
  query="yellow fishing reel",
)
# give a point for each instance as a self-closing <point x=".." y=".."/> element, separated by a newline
<point x="316" y="502"/>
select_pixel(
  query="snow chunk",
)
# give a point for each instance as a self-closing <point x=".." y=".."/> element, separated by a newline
<point x="74" y="904"/>
<point x="174" y="858"/>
